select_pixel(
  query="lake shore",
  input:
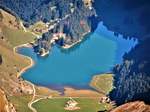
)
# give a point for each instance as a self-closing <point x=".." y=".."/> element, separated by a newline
<point x="68" y="91"/>
<point x="31" y="60"/>
<point x="44" y="54"/>
<point x="71" y="92"/>
<point x="44" y="93"/>
<point x="80" y="40"/>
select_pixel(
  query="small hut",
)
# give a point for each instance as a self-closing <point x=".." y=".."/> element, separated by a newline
<point x="71" y="105"/>
<point x="105" y="100"/>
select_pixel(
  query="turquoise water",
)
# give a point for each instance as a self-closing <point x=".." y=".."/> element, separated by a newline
<point x="75" y="67"/>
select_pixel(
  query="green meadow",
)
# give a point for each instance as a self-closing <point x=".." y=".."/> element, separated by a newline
<point x="102" y="83"/>
<point x="58" y="104"/>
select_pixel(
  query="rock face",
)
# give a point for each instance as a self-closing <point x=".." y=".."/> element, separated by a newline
<point x="133" y="107"/>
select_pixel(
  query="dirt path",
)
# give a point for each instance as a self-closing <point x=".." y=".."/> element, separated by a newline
<point x="33" y="97"/>
<point x="24" y="29"/>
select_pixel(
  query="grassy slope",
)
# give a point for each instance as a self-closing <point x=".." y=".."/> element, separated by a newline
<point x="17" y="37"/>
<point x="12" y="63"/>
<point x="13" y="35"/>
<point x="12" y="30"/>
<point x="21" y="103"/>
<point x="57" y="105"/>
<point x="102" y="83"/>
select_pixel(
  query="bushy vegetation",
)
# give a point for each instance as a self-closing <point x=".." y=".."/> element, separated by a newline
<point x="71" y="16"/>
<point x="127" y="17"/>
<point x="33" y="11"/>
<point x="130" y="18"/>
<point x="132" y="78"/>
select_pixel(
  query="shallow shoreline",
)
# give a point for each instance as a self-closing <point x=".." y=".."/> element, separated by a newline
<point x="45" y="54"/>
<point x="69" y="46"/>
<point x="26" y="68"/>
<point x="71" y="92"/>
<point x="68" y="91"/>
<point x="31" y="60"/>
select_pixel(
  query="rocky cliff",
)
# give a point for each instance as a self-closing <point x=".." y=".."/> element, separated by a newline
<point x="133" y="107"/>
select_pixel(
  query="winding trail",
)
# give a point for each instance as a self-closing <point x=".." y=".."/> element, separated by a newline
<point x="32" y="100"/>
<point x="31" y="60"/>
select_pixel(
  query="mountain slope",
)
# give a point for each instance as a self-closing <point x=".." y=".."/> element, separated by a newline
<point x="130" y="18"/>
<point x="11" y="63"/>
<point x="73" y="18"/>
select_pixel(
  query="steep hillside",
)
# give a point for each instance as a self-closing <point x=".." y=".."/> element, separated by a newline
<point x="68" y="20"/>
<point x="11" y="63"/>
<point x="130" y="18"/>
<point x="12" y="31"/>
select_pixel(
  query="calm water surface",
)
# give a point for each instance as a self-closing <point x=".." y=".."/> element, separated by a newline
<point x="75" y="67"/>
